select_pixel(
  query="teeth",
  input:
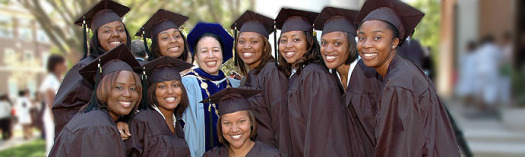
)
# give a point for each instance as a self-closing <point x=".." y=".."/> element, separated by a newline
<point x="170" y="99"/>
<point x="289" y="54"/>
<point x="236" y="137"/>
<point x="370" y="54"/>
<point x="211" y="63"/>
<point x="125" y="103"/>
<point x="115" y="42"/>
<point x="330" y="57"/>
<point x="174" y="49"/>
<point x="248" y="54"/>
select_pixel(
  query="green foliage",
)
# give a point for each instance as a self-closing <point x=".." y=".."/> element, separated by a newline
<point x="517" y="86"/>
<point x="427" y="32"/>
<point x="35" y="148"/>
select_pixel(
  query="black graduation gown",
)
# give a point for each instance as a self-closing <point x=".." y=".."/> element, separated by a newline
<point x="74" y="92"/>
<point x="316" y="114"/>
<point x="360" y="98"/>
<point x="411" y="119"/>
<point x="259" y="149"/>
<point x="266" y="106"/>
<point x="89" y="134"/>
<point x="150" y="136"/>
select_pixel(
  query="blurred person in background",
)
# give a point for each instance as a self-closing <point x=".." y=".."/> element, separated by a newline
<point x="505" y="67"/>
<point x="5" y="117"/>
<point x="487" y="75"/>
<point x="465" y="87"/>
<point x="23" y="108"/>
<point x="412" y="50"/>
<point x="139" y="51"/>
<point x="56" y="67"/>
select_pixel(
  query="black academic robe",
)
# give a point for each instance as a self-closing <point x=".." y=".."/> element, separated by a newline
<point x="151" y="136"/>
<point x="266" y="106"/>
<point x="74" y="92"/>
<point x="411" y="119"/>
<point x="259" y="149"/>
<point x="316" y="114"/>
<point x="360" y="98"/>
<point x="89" y="134"/>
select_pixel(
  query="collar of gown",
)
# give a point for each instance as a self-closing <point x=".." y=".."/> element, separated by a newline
<point x="174" y="118"/>
<point x="219" y="77"/>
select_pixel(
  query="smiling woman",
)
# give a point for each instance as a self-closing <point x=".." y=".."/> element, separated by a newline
<point x="211" y="46"/>
<point x="104" y="19"/>
<point x="93" y="132"/>
<point x="237" y="126"/>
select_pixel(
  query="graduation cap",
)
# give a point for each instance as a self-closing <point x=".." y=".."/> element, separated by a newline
<point x="404" y="17"/>
<point x="333" y="19"/>
<point x="117" y="59"/>
<point x="104" y="12"/>
<point x="231" y="99"/>
<point x="295" y="20"/>
<point x="203" y="28"/>
<point x="165" y="69"/>
<point x="160" y="21"/>
<point x="250" y="21"/>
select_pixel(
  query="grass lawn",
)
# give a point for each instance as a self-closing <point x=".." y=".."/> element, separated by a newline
<point x="35" y="148"/>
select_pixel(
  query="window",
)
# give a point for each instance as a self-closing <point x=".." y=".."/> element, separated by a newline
<point x="6" y="27"/>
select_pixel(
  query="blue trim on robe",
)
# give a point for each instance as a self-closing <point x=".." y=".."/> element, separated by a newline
<point x="197" y="116"/>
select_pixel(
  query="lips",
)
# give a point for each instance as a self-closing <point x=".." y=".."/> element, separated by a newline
<point x="369" y="55"/>
<point x="329" y="58"/>
<point x="170" y="99"/>
<point x="125" y="104"/>
<point x="248" y="54"/>
<point x="211" y="63"/>
<point x="174" y="49"/>
<point x="289" y="54"/>
<point x="115" y="43"/>
<point x="236" y="137"/>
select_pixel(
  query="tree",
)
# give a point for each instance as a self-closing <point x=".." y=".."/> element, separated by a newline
<point x="427" y="30"/>
<point x="67" y="37"/>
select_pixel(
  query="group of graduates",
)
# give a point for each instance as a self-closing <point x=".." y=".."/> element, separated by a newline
<point x="349" y="95"/>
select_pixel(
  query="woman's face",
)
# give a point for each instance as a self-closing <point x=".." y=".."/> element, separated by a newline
<point x="250" y="47"/>
<point x="111" y="35"/>
<point x="209" y="55"/>
<point x="168" y="94"/>
<point x="123" y="96"/>
<point x="375" y="43"/>
<point x="61" y="68"/>
<point x="292" y="46"/>
<point x="170" y="43"/>
<point x="236" y="128"/>
<point x="334" y="49"/>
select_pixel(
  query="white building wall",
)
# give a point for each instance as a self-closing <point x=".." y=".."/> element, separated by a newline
<point x="466" y="24"/>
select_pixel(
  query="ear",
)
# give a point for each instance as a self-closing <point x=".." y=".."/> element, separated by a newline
<point x="395" y="42"/>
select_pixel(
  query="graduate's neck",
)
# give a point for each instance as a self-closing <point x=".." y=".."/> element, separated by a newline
<point x="343" y="74"/>
<point x="168" y="115"/>
<point x="383" y="68"/>
<point x="114" y="116"/>
<point x="241" y="152"/>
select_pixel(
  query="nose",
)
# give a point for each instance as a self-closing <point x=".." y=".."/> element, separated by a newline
<point x="170" y="89"/>
<point x="234" y="128"/>
<point x="114" y="33"/>
<point x="366" y="43"/>
<point x="329" y="48"/>
<point x="127" y="93"/>
<point x="289" y="44"/>
<point x="245" y="46"/>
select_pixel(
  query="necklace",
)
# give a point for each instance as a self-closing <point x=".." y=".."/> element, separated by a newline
<point x="204" y="86"/>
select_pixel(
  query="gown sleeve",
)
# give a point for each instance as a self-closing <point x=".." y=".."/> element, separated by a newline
<point x="400" y="128"/>
<point x="325" y="131"/>
<point x="193" y="117"/>
<point x="136" y="143"/>
<point x="74" y="92"/>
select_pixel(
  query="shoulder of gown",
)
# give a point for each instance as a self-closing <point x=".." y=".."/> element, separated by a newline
<point x="262" y="149"/>
<point x="405" y="74"/>
<point x="219" y="151"/>
<point x="89" y="134"/>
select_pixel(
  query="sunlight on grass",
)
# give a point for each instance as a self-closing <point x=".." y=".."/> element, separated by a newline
<point x="34" y="148"/>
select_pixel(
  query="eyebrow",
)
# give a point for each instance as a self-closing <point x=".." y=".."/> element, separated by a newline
<point x="124" y="83"/>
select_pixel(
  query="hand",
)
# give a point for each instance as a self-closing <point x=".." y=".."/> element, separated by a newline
<point x="123" y="128"/>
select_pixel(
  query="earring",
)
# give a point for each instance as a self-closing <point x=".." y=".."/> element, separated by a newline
<point x="393" y="47"/>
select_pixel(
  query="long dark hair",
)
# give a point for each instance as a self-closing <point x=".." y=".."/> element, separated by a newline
<point x="352" y="48"/>
<point x="312" y="55"/>
<point x="96" y="49"/>
<point x="266" y="57"/>
<point x="184" y="103"/>
<point x="155" y="52"/>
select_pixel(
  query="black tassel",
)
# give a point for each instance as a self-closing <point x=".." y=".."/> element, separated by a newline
<point x="150" y="57"/>
<point x="235" y="57"/>
<point x="93" y="103"/>
<point x="276" y="51"/>
<point x="84" y="30"/>
<point x="144" y="104"/>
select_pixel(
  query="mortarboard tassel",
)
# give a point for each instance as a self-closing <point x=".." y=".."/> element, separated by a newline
<point x="235" y="57"/>
<point x="84" y="27"/>
<point x="150" y="57"/>
<point x="93" y="103"/>
<point x="144" y="104"/>
<point x="275" y="44"/>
